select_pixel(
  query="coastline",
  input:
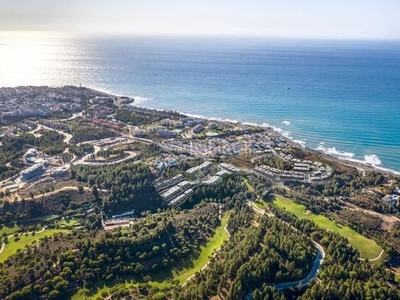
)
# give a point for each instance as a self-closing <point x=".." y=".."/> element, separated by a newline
<point x="344" y="160"/>
<point x="347" y="161"/>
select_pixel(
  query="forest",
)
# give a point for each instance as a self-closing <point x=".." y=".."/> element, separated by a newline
<point x="86" y="133"/>
<point x="269" y="253"/>
<point x="258" y="257"/>
<point x="132" y="118"/>
<point x="155" y="242"/>
<point x="128" y="186"/>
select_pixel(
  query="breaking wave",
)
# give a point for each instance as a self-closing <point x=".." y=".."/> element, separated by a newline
<point x="333" y="151"/>
<point x="140" y="99"/>
<point x="372" y="159"/>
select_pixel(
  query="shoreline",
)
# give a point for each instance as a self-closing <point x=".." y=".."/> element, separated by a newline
<point x="347" y="161"/>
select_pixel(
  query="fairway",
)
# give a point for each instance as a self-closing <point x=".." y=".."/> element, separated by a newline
<point x="182" y="275"/>
<point x="214" y="243"/>
<point x="103" y="287"/>
<point x="368" y="248"/>
<point x="9" y="230"/>
<point x="260" y="204"/>
<point x="12" y="247"/>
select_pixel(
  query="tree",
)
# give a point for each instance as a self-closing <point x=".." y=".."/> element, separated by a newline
<point x="54" y="294"/>
<point x="159" y="296"/>
<point x="84" y="293"/>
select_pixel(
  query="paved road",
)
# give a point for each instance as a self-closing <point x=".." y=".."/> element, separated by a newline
<point x="12" y="235"/>
<point x="85" y="160"/>
<point x="311" y="276"/>
<point x="64" y="188"/>
<point x="67" y="138"/>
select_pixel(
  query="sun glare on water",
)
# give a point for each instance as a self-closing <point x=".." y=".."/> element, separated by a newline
<point x="26" y="60"/>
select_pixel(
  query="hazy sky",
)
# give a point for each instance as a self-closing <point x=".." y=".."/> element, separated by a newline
<point x="361" y="19"/>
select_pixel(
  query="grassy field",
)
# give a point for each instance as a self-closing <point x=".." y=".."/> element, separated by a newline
<point x="260" y="204"/>
<point x="180" y="273"/>
<point x="368" y="248"/>
<point x="12" y="246"/>
<point x="249" y="186"/>
<point x="9" y="230"/>
<point x="67" y="223"/>
<point x="103" y="287"/>
<point x="206" y="252"/>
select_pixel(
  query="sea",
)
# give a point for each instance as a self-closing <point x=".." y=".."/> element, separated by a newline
<point x="341" y="97"/>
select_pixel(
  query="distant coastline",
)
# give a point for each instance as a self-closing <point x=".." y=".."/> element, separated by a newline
<point x="360" y="165"/>
<point x="338" y="159"/>
<point x="344" y="160"/>
<point x="342" y="95"/>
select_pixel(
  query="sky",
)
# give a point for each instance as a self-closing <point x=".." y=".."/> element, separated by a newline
<point x="335" y="19"/>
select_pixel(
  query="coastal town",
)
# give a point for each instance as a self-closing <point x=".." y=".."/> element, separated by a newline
<point x="72" y="153"/>
<point x="199" y="150"/>
<point x="181" y="139"/>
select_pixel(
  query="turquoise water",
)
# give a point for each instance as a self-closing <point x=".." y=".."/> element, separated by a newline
<point x="340" y="97"/>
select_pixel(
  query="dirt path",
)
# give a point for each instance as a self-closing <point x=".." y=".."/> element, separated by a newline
<point x="373" y="259"/>
<point x="65" y="188"/>
<point x="388" y="220"/>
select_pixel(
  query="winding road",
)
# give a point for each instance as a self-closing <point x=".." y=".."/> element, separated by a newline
<point x="314" y="271"/>
<point x="66" y="140"/>
<point x="311" y="276"/>
<point x="286" y="285"/>
<point x="12" y="235"/>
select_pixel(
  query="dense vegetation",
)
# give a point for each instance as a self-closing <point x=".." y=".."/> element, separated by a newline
<point x="153" y="243"/>
<point x="89" y="133"/>
<point x="133" y="118"/>
<point x="127" y="186"/>
<point x="267" y="254"/>
<point x="59" y="203"/>
<point x="81" y="149"/>
<point x="275" y="162"/>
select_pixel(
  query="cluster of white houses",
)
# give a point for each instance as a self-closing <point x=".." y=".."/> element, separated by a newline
<point x="276" y="174"/>
<point x="162" y="185"/>
<point x="302" y="170"/>
<point x="229" y="167"/>
<point x="182" y="197"/>
<point x="32" y="171"/>
<point x="176" y="190"/>
<point x="204" y="166"/>
<point x="178" y="193"/>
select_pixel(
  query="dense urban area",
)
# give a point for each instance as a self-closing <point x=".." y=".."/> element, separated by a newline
<point x="102" y="199"/>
